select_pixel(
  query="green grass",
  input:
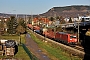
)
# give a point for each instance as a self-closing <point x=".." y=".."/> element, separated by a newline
<point x="53" y="51"/>
<point x="9" y="37"/>
<point x="22" y="54"/>
<point x="14" y="37"/>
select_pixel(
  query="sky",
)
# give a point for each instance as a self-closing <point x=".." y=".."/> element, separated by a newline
<point x="36" y="6"/>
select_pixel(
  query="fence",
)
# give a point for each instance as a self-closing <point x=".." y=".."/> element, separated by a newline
<point x="32" y="57"/>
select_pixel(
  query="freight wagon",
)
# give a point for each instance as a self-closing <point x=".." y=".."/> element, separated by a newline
<point x="30" y="26"/>
<point x="49" y="33"/>
<point x="40" y="31"/>
<point x="36" y="28"/>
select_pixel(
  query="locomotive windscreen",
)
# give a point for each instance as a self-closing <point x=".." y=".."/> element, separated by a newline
<point x="72" y="36"/>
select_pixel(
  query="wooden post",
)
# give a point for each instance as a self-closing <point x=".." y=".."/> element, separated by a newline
<point x="78" y="33"/>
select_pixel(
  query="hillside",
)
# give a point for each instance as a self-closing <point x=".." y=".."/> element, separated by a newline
<point x="68" y="11"/>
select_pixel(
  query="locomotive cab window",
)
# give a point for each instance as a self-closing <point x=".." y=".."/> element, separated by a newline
<point x="72" y="36"/>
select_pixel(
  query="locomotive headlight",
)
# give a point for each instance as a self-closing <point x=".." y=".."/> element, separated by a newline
<point x="70" y="39"/>
<point x="75" y="39"/>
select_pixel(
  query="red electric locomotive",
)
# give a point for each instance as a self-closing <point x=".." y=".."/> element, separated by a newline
<point x="66" y="38"/>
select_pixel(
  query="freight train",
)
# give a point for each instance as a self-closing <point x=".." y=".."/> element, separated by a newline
<point x="57" y="36"/>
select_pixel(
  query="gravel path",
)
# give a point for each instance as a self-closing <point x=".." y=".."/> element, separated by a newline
<point x="35" y="49"/>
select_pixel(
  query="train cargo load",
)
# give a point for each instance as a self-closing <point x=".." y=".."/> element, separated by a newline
<point x="45" y="33"/>
<point x="36" y="28"/>
<point x="51" y="34"/>
<point x="66" y="38"/>
<point x="39" y="31"/>
<point x="30" y="26"/>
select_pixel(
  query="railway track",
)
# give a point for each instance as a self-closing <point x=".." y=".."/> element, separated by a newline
<point x="79" y="48"/>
